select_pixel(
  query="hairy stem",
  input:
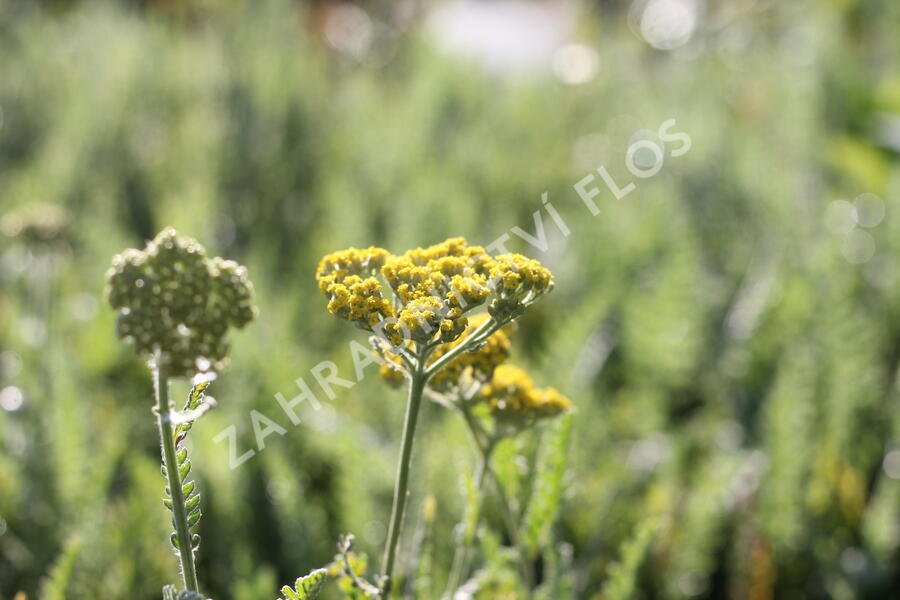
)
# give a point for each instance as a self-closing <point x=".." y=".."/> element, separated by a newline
<point x="401" y="487"/>
<point x="163" y="411"/>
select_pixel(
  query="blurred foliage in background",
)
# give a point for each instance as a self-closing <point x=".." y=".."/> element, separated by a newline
<point x="729" y="331"/>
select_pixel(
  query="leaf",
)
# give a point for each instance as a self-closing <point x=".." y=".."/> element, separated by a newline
<point x="190" y="497"/>
<point x="623" y="574"/>
<point x="193" y="517"/>
<point x="187" y="489"/>
<point x="184" y="469"/>
<point x="558" y="574"/>
<point x="195" y="399"/>
<point x="306" y="588"/>
<point x="55" y="587"/>
<point x="192" y="503"/>
<point x="547" y="494"/>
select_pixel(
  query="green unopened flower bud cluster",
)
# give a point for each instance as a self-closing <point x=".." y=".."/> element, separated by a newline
<point x="175" y="304"/>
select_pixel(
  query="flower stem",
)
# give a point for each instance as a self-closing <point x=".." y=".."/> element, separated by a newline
<point x="401" y="488"/>
<point x="461" y="556"/>
<point x="163" y="411"/>
<point x="479" y="335"/>
<point x="485" y="450"/>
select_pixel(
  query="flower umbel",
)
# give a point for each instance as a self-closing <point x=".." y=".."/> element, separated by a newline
<point x="175" y="304"/>
<point x="433" y="289"/>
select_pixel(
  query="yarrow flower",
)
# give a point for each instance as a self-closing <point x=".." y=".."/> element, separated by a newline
<point x="175" y="304"/>
<point x="419" y="310"/>
<point x="433" y="288"/>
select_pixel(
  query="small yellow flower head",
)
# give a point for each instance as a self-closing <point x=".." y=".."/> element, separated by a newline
<point x="176" y="304"/>
<point x="512" y="397"/>
<point x="337" y="266"/>
<point x="517" y="282"/>
<point x="471" y="368"/>
<point x="354" y="293"/>
<point x="420" y="319"/>
<point x="452" y="272"/>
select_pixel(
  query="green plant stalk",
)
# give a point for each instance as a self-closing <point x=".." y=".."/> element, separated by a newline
<point x="401" y="487"/>
<point x="167" y="441"/>
<point x="479" y="335"/>
<point x="512" y="531"/>
<point x="461" y="556"/>
<point x="486" y="450"/>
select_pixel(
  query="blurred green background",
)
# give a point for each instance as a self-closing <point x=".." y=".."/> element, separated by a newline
<point x="729" y="331"/>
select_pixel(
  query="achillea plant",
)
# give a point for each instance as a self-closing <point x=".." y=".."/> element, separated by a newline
<point x="175" y="306"/>
<point x="418" y="306"/>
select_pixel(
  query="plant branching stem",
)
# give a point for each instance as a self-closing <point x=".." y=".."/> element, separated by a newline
<point x="401" y="487"/>
<point x="163" y="410"/>
<point x="477" y="336"/>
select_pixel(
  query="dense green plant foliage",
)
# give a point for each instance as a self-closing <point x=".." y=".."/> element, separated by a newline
<point x="734" y="369"/>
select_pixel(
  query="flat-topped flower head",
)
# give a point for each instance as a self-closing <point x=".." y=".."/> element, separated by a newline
<point x="175" y="304"/>
<point x="513" y="398"/>
<point x="433" y="289"/>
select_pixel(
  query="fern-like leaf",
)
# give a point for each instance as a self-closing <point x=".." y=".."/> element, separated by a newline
<point x="194" y="402"/>
<point x="189" y="492"/>
<point x="547" y="494"/>
<point x="306" y="588"/>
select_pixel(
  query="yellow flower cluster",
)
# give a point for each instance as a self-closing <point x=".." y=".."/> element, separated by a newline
<point x="348" y="279"/>
<point x="433" y="287"/>
<point x="512" y="397"/>
<point x="518" y="282"/>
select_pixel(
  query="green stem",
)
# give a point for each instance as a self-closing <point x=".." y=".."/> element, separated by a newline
<point x="486" y="449"/>
<point x="401" y="487"/>
<point x="512" y="531"/>
<point x="479" y="335"/>
<point x="163" y="410"/>
<point x="461" y="556"/>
